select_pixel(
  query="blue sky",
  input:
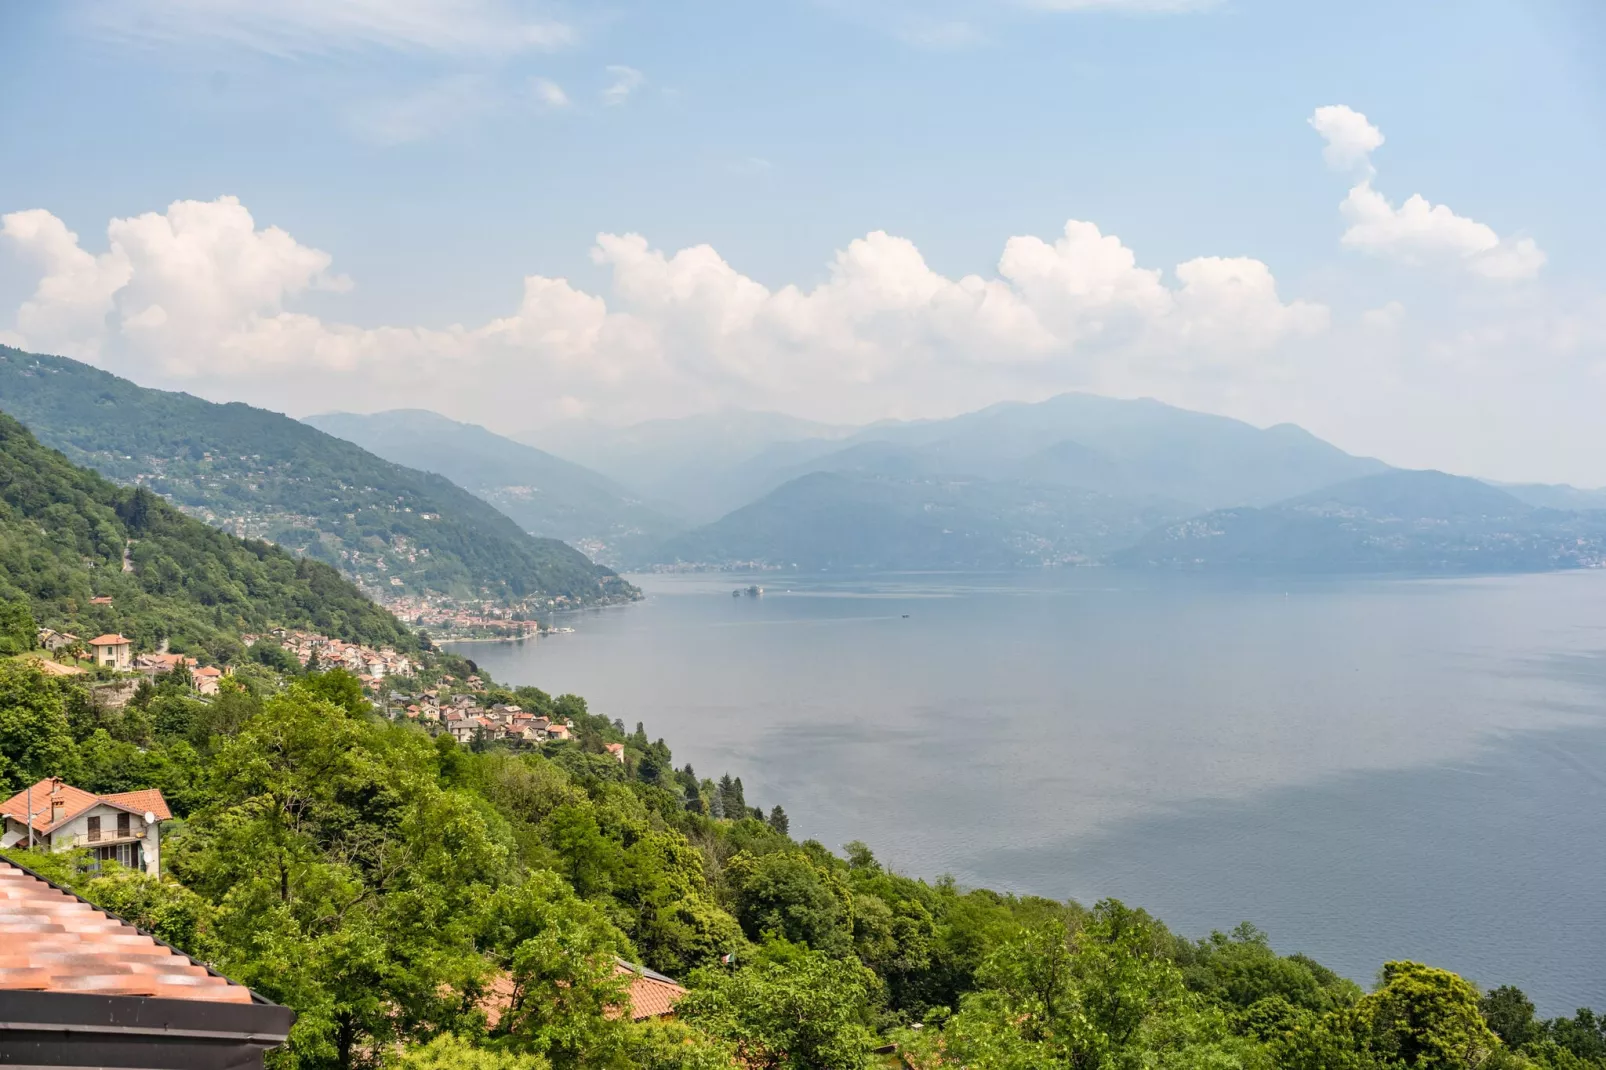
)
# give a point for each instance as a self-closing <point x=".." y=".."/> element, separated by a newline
<point x="423" y="159"/>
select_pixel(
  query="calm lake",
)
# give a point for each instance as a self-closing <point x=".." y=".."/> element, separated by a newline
<point x="1366" y="770"/>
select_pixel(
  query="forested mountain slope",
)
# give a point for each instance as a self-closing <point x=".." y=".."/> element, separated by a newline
<point x="263" y="475"/>
<point x="64" y="532"/>
<point x="545" y="495"/>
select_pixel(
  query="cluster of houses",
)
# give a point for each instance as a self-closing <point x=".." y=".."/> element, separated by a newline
<point x="116" y="652"/>
<point x="366" y="663"/>
<point x="484" y="618"/>
<point x="464" y="719"/>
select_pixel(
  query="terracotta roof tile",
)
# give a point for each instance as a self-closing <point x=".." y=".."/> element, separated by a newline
<point x="109" y="639"/>
<point x="76" y="800"/>
<point x="652" y="995"/>
<point x="52" y="941"/>
<point x="147" y="799"/>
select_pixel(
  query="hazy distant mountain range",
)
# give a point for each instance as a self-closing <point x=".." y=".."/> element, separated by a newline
<point x="1395" y="521"/>
<point x="543" y="494"/>
<point x="1076" y="479"/>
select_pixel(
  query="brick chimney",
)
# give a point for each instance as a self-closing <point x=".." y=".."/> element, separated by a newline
<point x="57" y="803"/>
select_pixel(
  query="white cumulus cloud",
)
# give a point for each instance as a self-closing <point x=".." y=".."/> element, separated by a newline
<point x="1350" y="136"/>
<point x="200" y="294"/>
<point x="1417" y="231"/>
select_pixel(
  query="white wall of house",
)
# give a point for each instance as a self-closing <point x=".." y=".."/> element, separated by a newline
<point x="76" y="833"/>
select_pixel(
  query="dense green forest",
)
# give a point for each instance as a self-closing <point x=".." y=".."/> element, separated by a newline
<point x="67" y="536"/>
<point x="265" y="475"/>
<point x="377" y="880"/>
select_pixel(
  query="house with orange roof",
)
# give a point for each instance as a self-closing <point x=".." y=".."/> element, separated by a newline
<point x="156" y="664"/>
<point x="83" y="988"/>
<point x="113" y="651"/>
<point x="207" y="678"/>
<point x="124" y="827"/>
<point x="649" y="996"/>
<point x="652" y="995"/>
<point x="618" y="751"/>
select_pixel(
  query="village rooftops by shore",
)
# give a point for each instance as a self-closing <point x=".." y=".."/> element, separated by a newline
<point x="368" y="664"/>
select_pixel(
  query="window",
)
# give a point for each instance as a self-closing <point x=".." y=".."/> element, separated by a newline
<point x="94" y="829"/>
<point x="122" y="824"/>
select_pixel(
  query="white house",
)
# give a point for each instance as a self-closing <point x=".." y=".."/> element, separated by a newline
<point x="125" y="827"/>
<point x="114" y="651"/>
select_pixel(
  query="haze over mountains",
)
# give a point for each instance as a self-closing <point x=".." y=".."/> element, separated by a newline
<point x="1080" y="479"/>
<point x="545" y="495"/>
<point x="1076" y="479"/>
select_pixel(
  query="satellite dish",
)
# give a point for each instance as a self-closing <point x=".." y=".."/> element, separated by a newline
<point x="150" y="817"/>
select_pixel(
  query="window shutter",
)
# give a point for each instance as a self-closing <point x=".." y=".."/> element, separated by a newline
<point x="94" y="829"/>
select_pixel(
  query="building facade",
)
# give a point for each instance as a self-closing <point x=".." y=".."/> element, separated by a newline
<point x="124" y="828"/>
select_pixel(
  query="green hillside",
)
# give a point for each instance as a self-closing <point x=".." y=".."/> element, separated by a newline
<point x="64" y="532"/>
<point x="260" y="474"/>
<point x="545" y="495"/>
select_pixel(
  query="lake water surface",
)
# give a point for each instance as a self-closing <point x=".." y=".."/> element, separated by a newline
<point x="1366" y="770"/>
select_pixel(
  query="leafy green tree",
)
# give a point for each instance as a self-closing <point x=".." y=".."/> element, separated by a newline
<point x="562" y="960"/>
<point x="35" y="738"/>
<point x="449" y="1051"/>
<point x="1583" y="1035"/>
<point x="789" y="895"/>
<point x="1510" y="1013"/>
<point x="347" y="882"/>
<point x="166" y="909"/>
<point x="1105" y="995"/>
<point x="225" y="715"/>
<point x="669" y="1045"/>
<point x="592" y="861"/>
<point x="1426" y="1018"/>
<point x="795" y="1010"/>
<point x="1242" y="969"/>
<point x="18" y="632"/>
<point x="337" y="686"/>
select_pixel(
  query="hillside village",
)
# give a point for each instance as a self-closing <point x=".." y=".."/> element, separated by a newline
<point x="462" y="716"/>
<point x="368" y="664"/>
<point x="442" y="708"/>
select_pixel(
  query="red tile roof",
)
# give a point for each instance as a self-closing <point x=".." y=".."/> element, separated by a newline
<point x="75" y="801"/>
<point x="146" y="800"/>
<point x="109" y="639"/>
<point x="53" y="941"/>
<point x="652" y="995"/>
